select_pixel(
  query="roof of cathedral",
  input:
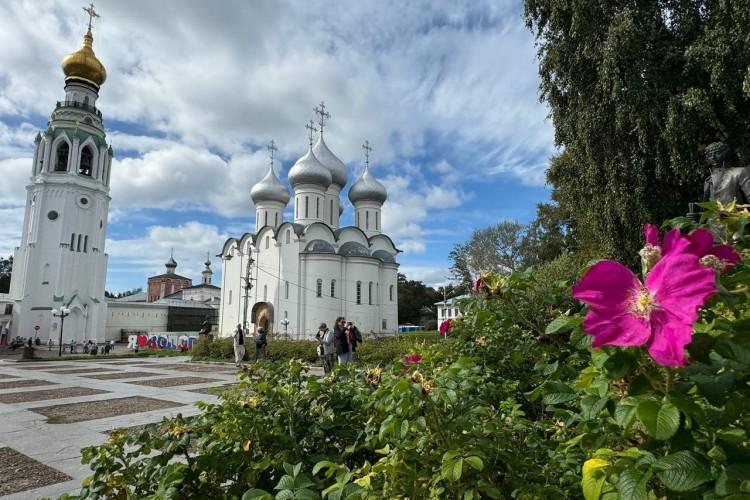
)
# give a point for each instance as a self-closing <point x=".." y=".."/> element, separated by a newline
<point x="308" y="170"/>
<point x="83" y="64"/>
<point x="173" y="276"/>
<point x="384" y="256"/>
<point x="319" y="246"/>
<point x="339" y="174"/>
<point x="354" y="249"/>
<point x="367" y="188"/>
<point x="270" y="188"/>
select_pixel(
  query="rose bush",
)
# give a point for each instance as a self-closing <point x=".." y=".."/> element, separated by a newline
<point x="640" y="389"/>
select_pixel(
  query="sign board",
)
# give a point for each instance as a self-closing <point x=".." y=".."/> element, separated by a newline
<point x="36" y="328"/>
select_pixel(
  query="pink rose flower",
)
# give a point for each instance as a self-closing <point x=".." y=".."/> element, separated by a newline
<point x="412" y="358"/>
<point x="445" y="327"/>
<point x="717" y="257"/>
<point x="658" y="313"/>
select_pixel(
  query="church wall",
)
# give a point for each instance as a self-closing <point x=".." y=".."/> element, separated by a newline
<point x="319" y="231"/>
<point x="389" y="310"/>
<point x="289" y="272"/>
<point x="323" y="309"/>
<point x="351" y="234"/>
<point x="232" y="271"/>
<point x="364" y="315"/>
<point x="140" y="317"/>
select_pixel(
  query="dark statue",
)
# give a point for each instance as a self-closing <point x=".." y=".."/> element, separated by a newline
<point x="205" y="328"/>
<point x="726" y="182"/>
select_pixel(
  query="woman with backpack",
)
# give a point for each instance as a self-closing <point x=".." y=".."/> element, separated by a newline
<point x="327" y="347"/>
<point x="260" y="344"/>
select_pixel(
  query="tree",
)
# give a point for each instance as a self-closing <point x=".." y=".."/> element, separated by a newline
<point x="636" y="90"/>
<point x="412" y="296"/>
<point x="499" y="247"/>
<point x="548" y="236"/>
<point x="6" y="268"/>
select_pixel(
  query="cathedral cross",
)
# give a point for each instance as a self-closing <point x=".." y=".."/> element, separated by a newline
<point x="366" y="146"/>
<point x="323" y="114"/>
<point x="311" y="127"/>
<point x="91" y="12"/>
<point x="271" y="150"/>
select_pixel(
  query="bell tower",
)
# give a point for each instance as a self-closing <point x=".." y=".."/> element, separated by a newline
<point x="61" y="259"/>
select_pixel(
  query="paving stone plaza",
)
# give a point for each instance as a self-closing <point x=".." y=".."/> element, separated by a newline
<point x="50" y="410"/>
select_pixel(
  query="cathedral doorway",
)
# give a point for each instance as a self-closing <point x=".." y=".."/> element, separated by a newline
<point x="262" y="316"/>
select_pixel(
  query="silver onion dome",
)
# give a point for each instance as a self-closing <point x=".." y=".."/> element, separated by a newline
<point x="270" y="188"/>
<point x="367" y="188"/>
<point x="331" y="162"/>
<point x="308" y="170"/>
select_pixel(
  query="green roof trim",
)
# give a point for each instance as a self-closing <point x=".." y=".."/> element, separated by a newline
<point x="41" y="309"/>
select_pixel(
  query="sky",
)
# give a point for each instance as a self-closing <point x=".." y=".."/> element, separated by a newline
<point x="446" y="92"/>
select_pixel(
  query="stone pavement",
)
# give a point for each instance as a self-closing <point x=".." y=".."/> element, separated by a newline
<point x="58" y="445"/>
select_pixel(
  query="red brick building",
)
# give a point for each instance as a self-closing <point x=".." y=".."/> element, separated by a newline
<point x="168" y="283"/>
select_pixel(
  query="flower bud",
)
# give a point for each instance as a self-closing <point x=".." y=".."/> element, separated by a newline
<point x="650" y="255"/>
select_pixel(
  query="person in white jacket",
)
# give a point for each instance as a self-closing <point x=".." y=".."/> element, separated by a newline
<point x="326" y="339"/>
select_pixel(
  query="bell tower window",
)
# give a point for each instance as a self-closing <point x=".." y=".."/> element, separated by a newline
<point x="61" y="161"/>
<point x="87" y="158"/>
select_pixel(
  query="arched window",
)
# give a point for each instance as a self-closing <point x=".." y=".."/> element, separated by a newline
<point x="359" y="292"/>
<point x="333" y="288"/>
<point x="265" y="292"/>
<point x="286" y="289"/>
<point x="268" y="241"/>
<point x="332" y="212"/>
<point x="369" y="293"/>
<point x="307" y="207"/>
<point x="319" y="288"/>
<point x="390" y="293"/>
<point x="61" y="161"/>
<point x="317" y="207"/>
<point x="367" y="220"/>
<point x="87" y="159"/>
<point x="265" y="219"/>
<point x="288" y="235"/>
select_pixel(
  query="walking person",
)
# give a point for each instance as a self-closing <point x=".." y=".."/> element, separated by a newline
<point x="343" y="350"/>
<point x="327" y="341"/>
<point x="260" y="344"/>
<point x="239" y="346"/>
<point x="111" y="346"/>
<point x="50" y="342"/>
<point x="354" y="336"/>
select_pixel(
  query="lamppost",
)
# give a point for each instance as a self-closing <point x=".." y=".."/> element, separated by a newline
<point x="285" y="323"/>
<point x="248" y="282"/>
<point x="63" y="313"/>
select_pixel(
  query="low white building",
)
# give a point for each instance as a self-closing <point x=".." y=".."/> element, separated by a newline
<point x="449" y="308"/>
<point x="124" y="318"/>
<point x="312" y="270"/>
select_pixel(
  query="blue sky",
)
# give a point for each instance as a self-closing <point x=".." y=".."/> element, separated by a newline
<point x="446" y="92"/>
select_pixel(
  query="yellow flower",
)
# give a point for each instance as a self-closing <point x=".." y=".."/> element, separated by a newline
<point x="426" y="387"/>
<point x="177" y="431"/>
<point x="251" y="402"/>
<point x="480" y="341"/>
<point x="247" y="445"/>
<point x="417" y="377"/>
<point x="116" y="437"/>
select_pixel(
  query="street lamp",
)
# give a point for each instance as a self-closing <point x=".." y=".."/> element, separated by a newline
<point x="285" y="322"/>
<point x="63" y="313"/>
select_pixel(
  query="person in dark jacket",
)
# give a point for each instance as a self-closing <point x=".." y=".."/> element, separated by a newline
<point x="354" y="336"/>
<point x="260" y="344"/>
<point x="343" y="350"/>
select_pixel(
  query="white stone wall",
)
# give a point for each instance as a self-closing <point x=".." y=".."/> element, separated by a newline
<point x="135" y="316"/>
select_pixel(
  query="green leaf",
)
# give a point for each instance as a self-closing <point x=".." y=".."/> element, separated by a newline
<point x="661" y="420"/>
<point x="557" y="392"/>
<point x="620" y="364"/>
<point x="256" y="494"/>
<point x="682" y="471"/>
<point x="632" y="485"/>
<point x="475" y="462"/>
<point x="285" y="483"/>
<point x="731" y="479"/>
<point x="457" y="470"/>
<point x="562" y="323"/>
<point x="593" y="478"/>
<point x="592" y="406"/>
<point x="625" y="412"/>
<point x="732" y="435"/>
<point x="404" y="428"/>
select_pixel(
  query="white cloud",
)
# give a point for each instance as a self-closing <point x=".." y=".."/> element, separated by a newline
<point x="433" y="276"/>
<point x="10" y="229"/>
<point x="147" y="254"/>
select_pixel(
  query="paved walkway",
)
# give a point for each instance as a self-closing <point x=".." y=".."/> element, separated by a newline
<point x="58" y="445"/>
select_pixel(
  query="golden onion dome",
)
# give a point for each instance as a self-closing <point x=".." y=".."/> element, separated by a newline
<point x="83" y="64"/>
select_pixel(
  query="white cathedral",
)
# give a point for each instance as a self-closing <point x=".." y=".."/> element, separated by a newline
<point x="61" y="261"/>
<point x="312" y="270"/>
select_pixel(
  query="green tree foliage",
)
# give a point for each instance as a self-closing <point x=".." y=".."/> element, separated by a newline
<point x="412" y="296"/>
<point x="6" y="268"/>
<point x="636" y="91"/>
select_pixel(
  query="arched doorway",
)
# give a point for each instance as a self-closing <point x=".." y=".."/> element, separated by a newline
<point x="262" y="316"/>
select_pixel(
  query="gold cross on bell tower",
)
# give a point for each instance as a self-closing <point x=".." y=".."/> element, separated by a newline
<point x="91" y="12"/>
<point x="366" y="146"/>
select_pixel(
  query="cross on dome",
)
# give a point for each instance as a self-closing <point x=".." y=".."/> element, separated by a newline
<point x="271" y="150"/>
<point x="311" y="127"/>
<point x="366" y="146"/>
<point x="320" y="110"/>
<point x="91" y="12"/>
